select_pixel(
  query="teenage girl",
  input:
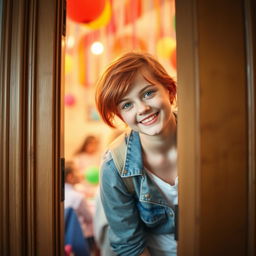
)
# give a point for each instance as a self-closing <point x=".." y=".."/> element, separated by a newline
<point x="138" y="90"/>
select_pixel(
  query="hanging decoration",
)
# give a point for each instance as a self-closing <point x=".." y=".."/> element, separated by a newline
<point x="111" y="26"/>
<point x="82" y="60"/>
<point x="166" y="44"/>
<point x="68" y="63"/>
<point x="86" y="63"/>
<point x="103" y="19"/>
<point x="159" y="22"/>
<point x="84" y="11"/>
<point x="133" y="10"/>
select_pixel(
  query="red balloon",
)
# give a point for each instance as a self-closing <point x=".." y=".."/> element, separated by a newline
<point x="84" y="11"/>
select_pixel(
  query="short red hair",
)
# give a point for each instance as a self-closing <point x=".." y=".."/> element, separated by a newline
<point x="116" y="80"/>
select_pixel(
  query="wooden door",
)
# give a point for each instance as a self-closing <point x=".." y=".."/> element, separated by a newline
<point x="216" y="131"/>
<point x="31" y="211"/>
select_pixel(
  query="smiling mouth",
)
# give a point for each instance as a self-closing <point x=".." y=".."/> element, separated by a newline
<point x="150" y="119"/>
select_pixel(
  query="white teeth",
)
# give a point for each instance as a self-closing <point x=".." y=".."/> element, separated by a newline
<point x="148" y="119"/>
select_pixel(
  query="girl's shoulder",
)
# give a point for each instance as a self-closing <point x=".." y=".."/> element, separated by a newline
<point x="113" y="146"/>
<point x="120" y="139"/>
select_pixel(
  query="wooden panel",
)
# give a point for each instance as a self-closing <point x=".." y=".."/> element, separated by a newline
<point x="31" y="211"/>
<point x="216" y="155"/>
<point x="4" y="127"/>
<point x="250" y="28"/>
<point x="188" y="139"/>
<point x="11" y="131"/>
<point x="223" y="128"/>
<point x="49" y="213"/>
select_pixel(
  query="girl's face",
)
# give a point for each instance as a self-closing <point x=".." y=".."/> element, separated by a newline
<point x="146" y="108"/>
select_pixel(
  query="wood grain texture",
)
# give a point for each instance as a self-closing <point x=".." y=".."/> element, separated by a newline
<point x="216" y="128"/>
<point x="31" y="209"/>
<point x="188" y="129"/>
<point x="250" y="28"/>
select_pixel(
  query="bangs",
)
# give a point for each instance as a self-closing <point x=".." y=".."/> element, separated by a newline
<point x="122" y="87"/>
<point x="113" y="91"/>
<point x="157" y="75"/>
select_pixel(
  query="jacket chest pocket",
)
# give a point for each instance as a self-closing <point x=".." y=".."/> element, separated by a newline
<point x="151" y="214"/>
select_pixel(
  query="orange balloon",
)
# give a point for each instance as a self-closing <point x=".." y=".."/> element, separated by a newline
<point x="68" y="63"/>
<point x="83" y="45"/>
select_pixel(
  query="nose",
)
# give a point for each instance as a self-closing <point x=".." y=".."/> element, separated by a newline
<point x="143" y="108"/>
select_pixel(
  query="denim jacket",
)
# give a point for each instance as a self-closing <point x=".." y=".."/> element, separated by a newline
<point x="132" y="216"/>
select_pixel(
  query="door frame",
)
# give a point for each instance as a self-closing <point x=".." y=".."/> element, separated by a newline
<point x="31" y="210"/>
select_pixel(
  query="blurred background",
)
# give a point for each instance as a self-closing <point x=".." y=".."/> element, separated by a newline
<point x="97" y="32"/>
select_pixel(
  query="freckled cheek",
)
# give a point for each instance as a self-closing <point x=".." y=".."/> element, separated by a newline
<point x="129" y="118"/>
<point x="159" y="104"/>
<point x="167" y="112"/>
<point x="165" y="107"/>
<point x="159" y="101"/>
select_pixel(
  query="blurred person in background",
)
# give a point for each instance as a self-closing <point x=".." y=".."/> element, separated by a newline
<point x="77" y="200"/>
<point x="88" y="154"/>
<point x="87" y="160"/>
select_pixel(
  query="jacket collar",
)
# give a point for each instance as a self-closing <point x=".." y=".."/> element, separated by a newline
<point x="133" y="164"/>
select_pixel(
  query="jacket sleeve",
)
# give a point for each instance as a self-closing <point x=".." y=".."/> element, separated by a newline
<point x="127" y="235"/>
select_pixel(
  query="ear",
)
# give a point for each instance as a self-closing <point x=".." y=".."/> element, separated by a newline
<point x="172" y="97"/>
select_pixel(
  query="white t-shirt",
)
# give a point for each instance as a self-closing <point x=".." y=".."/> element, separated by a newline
<point x="164" y="245"/>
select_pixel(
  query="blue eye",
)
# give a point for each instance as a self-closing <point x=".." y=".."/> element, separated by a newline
<point x="126" y="105"/>
<point x="149" y="93"/>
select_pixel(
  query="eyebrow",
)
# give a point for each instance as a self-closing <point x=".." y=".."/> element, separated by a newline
<point x="140" y="92"/>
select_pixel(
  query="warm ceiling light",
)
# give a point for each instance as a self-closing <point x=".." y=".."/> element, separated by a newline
<point x="70" y="41"/>
<point x="97" y="48"/>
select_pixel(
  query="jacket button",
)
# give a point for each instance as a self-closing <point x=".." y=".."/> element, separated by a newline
<point x="147" y="196"/>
